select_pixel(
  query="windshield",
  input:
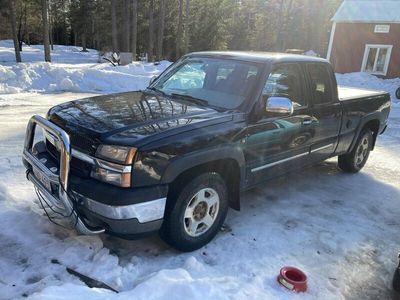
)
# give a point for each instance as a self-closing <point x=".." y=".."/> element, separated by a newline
<point x="221" y="83"/>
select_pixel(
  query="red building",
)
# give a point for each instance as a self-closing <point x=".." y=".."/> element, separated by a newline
<point x="365" y="37"/>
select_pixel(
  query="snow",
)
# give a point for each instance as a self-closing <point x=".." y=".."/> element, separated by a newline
<point x="70" y="71"/>
<point x="35" y="53"/>
<point x="341" y="229"/>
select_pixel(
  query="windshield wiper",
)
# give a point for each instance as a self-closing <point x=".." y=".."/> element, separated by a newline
<point x="191" y="99"/>
<point x="157" y="90"/>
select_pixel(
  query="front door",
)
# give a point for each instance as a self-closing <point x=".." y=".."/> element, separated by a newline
<point x="276" y="145"/>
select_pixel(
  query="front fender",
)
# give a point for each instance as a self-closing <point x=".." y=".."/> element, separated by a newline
<point x="191" y="160"/>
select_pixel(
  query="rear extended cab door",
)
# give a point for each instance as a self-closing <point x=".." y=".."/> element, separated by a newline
<point x="325" y="108"/>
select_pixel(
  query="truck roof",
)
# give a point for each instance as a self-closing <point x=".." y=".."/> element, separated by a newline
<point x="251" y="56"/>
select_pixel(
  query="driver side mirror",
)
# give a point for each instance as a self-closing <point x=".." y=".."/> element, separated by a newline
<point x="279" y="105"/>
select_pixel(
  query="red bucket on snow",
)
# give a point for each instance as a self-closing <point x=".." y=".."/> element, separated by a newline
<point x="293" y="279"/>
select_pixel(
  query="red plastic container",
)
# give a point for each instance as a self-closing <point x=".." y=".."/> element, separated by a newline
<point x="293" y="279"/>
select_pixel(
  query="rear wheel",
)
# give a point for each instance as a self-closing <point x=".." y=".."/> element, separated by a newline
<point x="354" y="161"/>
<point x="195" y="213"/>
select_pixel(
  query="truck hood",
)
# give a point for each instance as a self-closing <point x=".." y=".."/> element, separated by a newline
<point x="133" y="118"/>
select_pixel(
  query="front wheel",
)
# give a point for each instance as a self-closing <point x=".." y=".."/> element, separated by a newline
<point x="195" y="213"/>
<point x="354" y="161"/>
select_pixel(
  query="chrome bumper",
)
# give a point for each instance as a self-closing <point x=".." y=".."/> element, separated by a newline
<point x="61" y="203"/>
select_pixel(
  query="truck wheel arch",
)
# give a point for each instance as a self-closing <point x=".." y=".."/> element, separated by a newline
<point x="371" y="121"/>
<point x="222" y="160"/>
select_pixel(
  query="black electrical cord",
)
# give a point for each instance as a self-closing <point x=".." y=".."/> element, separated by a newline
<point x="40" y="197"/>
<point x="43" y="199"/>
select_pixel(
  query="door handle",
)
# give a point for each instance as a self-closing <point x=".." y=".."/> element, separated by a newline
<point x="307" y="122"/>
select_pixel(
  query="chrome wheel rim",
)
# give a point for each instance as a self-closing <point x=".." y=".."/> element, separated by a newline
<point x="362" y="151"/>
<point x="201" y="212"/>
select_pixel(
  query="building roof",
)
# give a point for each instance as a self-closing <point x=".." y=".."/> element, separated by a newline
<point x="368" y="11"/>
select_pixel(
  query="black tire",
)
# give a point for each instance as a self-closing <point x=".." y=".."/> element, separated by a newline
<point x="396" y="280"/>
<point x="174" y="229"/>
<point x="352" y="162"/>
<point x="398" y="93"/>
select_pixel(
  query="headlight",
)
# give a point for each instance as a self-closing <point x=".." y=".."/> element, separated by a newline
<point x="119" y="154"/>
<point x="116" y="166"/>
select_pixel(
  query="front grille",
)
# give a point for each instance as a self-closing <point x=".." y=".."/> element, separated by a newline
<point x="83" y="143"/>
<point x="78" y="167"/>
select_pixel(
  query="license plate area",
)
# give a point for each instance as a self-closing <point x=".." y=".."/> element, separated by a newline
<point x="42" y="179"/>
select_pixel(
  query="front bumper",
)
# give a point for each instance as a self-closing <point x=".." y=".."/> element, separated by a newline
<point x="89" y="205"/>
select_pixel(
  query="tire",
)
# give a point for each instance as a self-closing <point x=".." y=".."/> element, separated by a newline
<point x="196" y="213"/>
<point x="354" y="161"/>
<point x="398" y="93"/>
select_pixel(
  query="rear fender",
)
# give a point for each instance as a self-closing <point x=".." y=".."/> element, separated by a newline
<point x="375" y="116"/>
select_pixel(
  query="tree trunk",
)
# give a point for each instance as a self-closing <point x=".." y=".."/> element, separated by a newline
<point x="287" y="16"/>
<point x="279" y="25"/>
<point x="126" y="20"/>
<point x="83" y="7"/>
<point x="50" y="28"/>
<point x="84" y="42"/>
<point x="187" y="26"/>
<point x="45" y="21"/>
<point x="114" y="25"/>
<point x="179" y="31"/>
<point x="151" y="32"/>
<point x="19" y="33"/>
<point x="160" y="34"/>
<point x="134" y="28"/>
<point x="14" y="31"/>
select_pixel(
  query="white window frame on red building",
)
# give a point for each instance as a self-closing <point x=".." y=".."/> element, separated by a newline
<point x="368" y="47"/>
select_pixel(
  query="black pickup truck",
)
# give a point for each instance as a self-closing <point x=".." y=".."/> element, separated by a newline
<point x="173" y="158"/>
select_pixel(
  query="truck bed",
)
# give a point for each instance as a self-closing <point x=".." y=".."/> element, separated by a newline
<point x="350" y="93"/>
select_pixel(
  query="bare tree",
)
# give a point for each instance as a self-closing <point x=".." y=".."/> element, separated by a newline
<point x="134" y="28"/>
<point x="14" y="31"/>
<point x="160" y="34"/>
<point x="126" y="21"/>
<point x="187" y="26"/>
<point x="114" y="25"/>
<point x="151" y="32"/>
<point x="83" y="6"/>
<point x="45" y="22"/>
<point x="50" y="26"/>
<point x="179" y="31"/>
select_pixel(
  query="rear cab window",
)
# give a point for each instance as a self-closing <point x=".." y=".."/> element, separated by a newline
<point x="320" y="83"/>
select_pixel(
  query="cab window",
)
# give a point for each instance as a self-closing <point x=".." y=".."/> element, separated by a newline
<point x="320" y="80"/>
<point x="286" y="81"/>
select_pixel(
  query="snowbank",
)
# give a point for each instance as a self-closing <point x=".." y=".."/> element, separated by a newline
<point x="70" y="71"/>
<point x="35" y="53"/>
<point x="94" y="78"/>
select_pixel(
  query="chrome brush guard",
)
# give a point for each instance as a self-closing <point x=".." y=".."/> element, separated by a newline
<point x="40" y="173"/>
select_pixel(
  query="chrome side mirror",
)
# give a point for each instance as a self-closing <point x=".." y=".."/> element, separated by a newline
<point x="279" y="105"/>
